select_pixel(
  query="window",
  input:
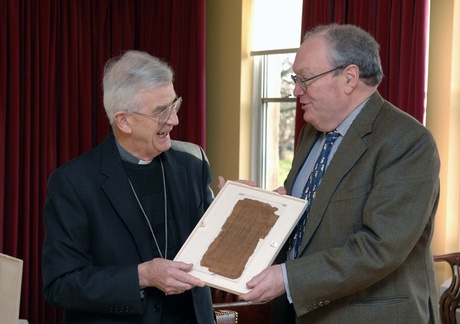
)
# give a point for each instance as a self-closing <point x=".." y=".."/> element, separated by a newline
<point x="275" y="114"/>
<point x="276" y="34"/>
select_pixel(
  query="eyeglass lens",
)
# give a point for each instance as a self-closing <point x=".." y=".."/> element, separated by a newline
<point x="164" y="115"/>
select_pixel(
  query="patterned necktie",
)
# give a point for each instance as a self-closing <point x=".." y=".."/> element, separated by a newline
<point x="311" y="186"/>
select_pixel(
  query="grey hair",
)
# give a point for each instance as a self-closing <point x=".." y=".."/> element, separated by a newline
<point x="126" y="76"/>
<point x="350" y="44"/>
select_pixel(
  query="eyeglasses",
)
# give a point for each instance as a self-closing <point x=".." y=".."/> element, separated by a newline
<point x="162" y="116"/>
<point x="302" y="82"/>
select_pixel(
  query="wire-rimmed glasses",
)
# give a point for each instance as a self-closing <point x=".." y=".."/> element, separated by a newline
<point x="162" y="116"/>
<point x="302" y="82"/>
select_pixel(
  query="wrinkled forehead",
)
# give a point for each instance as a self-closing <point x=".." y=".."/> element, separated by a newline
<point x="312" y="55"/>
<point x="162" y="95"/>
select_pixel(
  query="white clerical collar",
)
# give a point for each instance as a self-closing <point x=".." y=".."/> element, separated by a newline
<point x="144" y="162"/>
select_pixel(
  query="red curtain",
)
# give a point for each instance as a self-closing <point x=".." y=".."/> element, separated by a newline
<point x="52" y="55"/>
<point x="400" y="27"/>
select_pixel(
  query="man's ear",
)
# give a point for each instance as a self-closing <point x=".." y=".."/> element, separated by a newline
<point x="351" y="73"/>
<point x="121" y="120"/>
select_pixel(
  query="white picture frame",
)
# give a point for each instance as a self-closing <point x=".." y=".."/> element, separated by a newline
<point x="289" y="210"/>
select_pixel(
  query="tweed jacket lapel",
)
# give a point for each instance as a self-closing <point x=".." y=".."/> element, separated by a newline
<point x="349" y="152"/>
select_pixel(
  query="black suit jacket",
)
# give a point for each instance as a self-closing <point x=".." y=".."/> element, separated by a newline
<point x="96" y="235"/>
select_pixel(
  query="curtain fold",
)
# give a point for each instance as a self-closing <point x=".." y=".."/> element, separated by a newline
<point x="52" y="55"/>
<point x="400" y="27"/>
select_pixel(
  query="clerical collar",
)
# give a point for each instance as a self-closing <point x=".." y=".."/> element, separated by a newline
<point x="126" y="156"/>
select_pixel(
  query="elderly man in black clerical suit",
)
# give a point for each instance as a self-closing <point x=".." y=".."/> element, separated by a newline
<point x="116" y="216"/>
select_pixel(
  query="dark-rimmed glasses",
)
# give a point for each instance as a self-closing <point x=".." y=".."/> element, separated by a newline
<point x="162" y="116"/>
<point x="302" y="82"/>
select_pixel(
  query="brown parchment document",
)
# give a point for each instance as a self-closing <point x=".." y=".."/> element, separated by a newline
<point x="249" y="221"/>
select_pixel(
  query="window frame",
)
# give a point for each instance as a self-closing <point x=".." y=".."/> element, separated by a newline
<point x="258" y="152"/>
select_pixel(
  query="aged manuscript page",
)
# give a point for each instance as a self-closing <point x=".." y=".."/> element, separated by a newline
<point x="249" y="221"/>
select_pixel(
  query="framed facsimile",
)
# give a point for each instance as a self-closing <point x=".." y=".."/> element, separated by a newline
<point x="240" y="235"/>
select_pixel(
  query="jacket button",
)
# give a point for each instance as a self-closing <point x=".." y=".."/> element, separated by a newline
<point x="156" y="308"/>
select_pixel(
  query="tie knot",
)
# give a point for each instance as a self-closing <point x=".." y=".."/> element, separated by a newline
<point x="332" y="136"/>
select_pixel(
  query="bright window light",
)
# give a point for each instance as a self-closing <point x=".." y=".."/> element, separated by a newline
<point x="276" y="24"/>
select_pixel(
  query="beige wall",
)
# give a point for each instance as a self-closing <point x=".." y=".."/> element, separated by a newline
<point x="443" y="119"/>
<point x="229" y="100"/>
<point x="228" y="90"/>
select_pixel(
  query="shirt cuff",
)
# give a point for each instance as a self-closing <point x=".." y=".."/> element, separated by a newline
<point x="286" y="283"/>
